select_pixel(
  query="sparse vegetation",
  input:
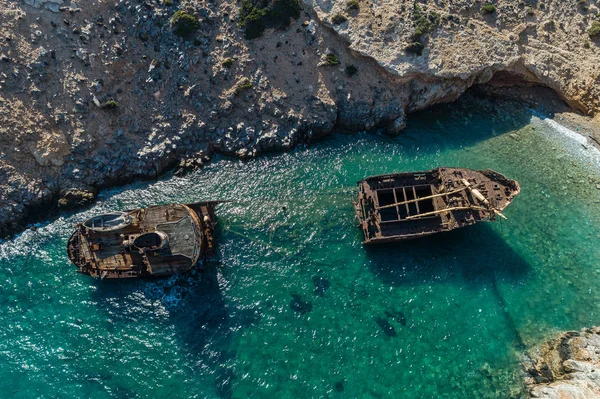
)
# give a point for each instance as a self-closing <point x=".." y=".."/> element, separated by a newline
<point x="257" y="15"/>
<point x="251" y="19"/>
<point x="183" y="23"/>
<point x="352" y="5"/>
<point x="351" y="70"/>
<point x="227" y="63"/>
<point x="110" y="104"/>
<point x="594" y="30"/>
<point x="489" y="8"/>
<point x="338" y="19"/>
<point x="242" y="86"/>
<point x="424" y="22"/>
<point x="331" y="59"/>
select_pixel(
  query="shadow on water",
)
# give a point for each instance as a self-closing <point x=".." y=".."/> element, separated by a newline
<point x="473" y="118"/>
<point x="476" y="256"/>
<point x="193" y="305"/>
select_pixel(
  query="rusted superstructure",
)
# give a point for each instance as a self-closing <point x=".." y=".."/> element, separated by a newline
<point x="401" y="206"/>
<point x="155" y="241"/>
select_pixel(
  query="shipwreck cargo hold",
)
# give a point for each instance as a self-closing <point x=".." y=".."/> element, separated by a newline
<point x="156" y="241"/>
<point x="402" y="206"/>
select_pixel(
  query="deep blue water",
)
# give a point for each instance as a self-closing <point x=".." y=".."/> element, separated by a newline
<point x="293" y="306"/>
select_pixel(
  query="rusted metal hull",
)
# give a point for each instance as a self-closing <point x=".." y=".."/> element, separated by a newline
<point x="149" y="242"/>
<point x="403" y="206"/>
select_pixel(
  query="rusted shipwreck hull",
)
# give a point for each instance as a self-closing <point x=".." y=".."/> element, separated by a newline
<point x="402" y="206"/>
<point x="156" y="241"/>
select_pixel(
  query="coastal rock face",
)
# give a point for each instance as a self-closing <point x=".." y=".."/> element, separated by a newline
<point x="52" y="5"/>
<point x="98" y="93"/>
<point x="566" y="367"/>
<point x="546" y="43"/>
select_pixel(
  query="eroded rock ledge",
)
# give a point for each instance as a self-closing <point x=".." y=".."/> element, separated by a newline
<point x="566" y="367"/>
<point x="98" y="93"/>
<point x="544" y="42"/>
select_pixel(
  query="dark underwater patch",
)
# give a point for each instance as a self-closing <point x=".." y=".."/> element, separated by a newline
<point x="397" y="315"/>
<point x="300" y="305"/>
<point x="386" y="327"/>
<point x="321" y="285"/>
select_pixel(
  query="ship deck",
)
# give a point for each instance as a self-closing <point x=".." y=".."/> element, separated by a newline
<point x="409" y="205"/>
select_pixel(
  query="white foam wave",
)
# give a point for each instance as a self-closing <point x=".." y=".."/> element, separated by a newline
<point x="577" y="144"/>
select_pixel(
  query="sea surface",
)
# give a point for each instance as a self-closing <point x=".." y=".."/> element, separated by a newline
<point x="294" y="306"/>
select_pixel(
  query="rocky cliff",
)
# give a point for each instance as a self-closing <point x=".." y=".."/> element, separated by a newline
<point x="566" y="367"/>
<point x="545" y="42"/>
<point x="98" y="93"/>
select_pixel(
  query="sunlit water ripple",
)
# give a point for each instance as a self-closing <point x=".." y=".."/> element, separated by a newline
<point x="294" y="306"/>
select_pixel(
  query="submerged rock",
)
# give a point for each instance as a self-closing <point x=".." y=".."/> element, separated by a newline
<point x="298" y="304"/>
<point x="74" y="198"/>
<point x="386" y="327"/>
<point x="321" y="285"/>
<point x="397" y="315"/>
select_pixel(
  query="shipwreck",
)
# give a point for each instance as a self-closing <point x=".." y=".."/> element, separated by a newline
<point x="402" y="206"/>
<point x="155" y="241"/>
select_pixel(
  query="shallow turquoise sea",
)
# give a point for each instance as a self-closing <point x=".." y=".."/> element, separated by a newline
<point x="294" y="306"/>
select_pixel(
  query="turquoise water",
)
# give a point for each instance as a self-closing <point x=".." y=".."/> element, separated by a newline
<point x="293" y="306"/>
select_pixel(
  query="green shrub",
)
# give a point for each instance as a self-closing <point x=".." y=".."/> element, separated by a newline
<point x="251" y="19"/>
<point x="352" y="5"/>
<point x="110" y="104"/>
<point x="184" y="24"/>
<point x="331" y="59"/>
<point x="257" y="15"/>
<point x="168" y="2"/>
<point x="351" y="70"/>
<point x="338" y="19"/>
<point x="281" y="11"/>
<point x="594" y="30"/>
<point x="227" y="63"/>
<point x="241" y="86"/>
<point x="424" y="22"/>
<point x="489" y="9"/>
<point x="415" y="48"/>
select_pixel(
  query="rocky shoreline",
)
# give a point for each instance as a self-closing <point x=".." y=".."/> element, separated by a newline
<point x="565" y="367"/>
<point x="93" y="95"/>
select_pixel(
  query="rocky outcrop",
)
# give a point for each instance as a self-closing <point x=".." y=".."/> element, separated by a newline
<point x="544" y="42"/>
<point x="98" y="93"/>
<point x="566" y="367"/>
<point x="75" y="198"/>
